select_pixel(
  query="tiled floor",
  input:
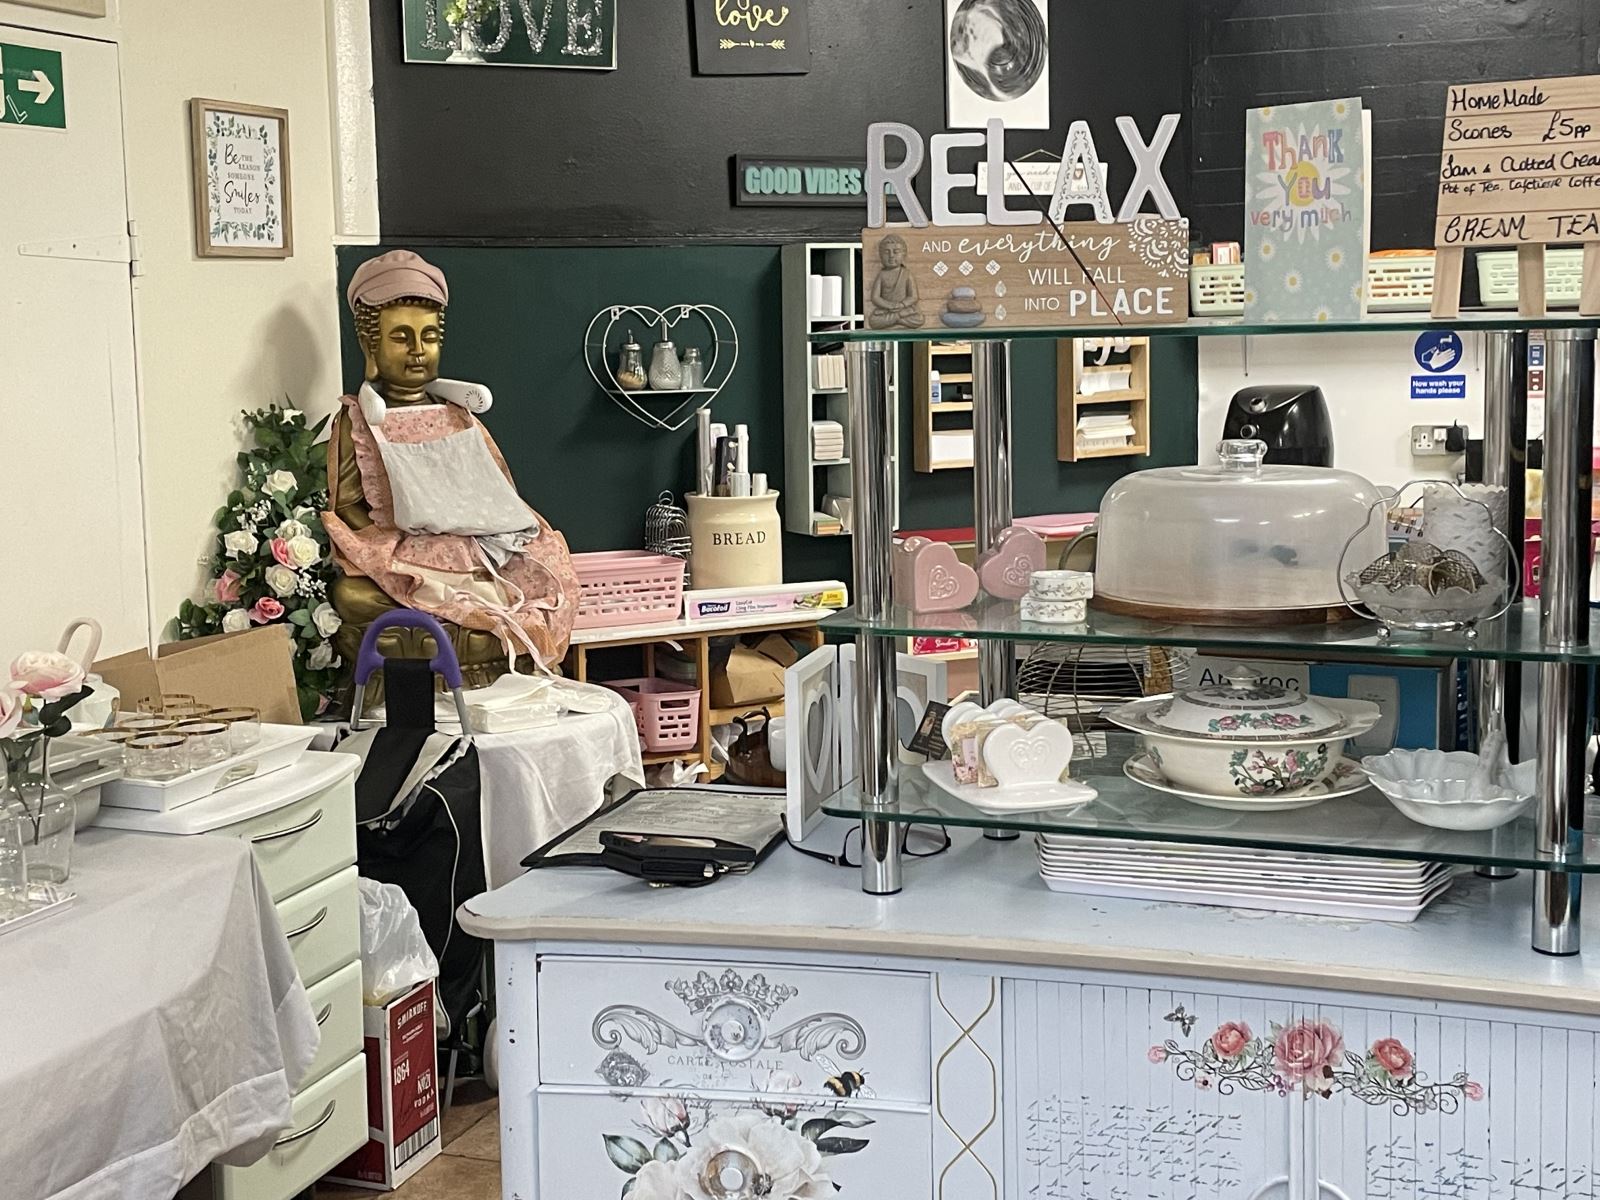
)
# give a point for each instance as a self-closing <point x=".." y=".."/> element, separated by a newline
<point x="469" y="1168"/>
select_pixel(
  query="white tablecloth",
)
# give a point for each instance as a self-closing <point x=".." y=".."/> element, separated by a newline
<point x="154" y="1027"/>
<point x="539" y="783"/>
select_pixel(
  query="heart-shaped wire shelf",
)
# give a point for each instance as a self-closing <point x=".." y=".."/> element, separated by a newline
<point x="715" y="336"/>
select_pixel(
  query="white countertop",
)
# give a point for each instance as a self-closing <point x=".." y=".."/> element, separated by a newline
<point x="984" y="902"/>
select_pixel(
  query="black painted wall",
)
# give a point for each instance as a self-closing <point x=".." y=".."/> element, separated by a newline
<point x="501" y="154"/>
<point x="1398" y="56"/>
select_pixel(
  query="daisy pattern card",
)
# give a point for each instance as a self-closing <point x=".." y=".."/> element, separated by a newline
<point x="1307" y="212"/>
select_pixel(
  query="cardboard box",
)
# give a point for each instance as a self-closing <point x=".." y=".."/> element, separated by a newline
<point x="753" y="674"/>
<point x="253" y="669"/>
<point x="402" y="1094"/>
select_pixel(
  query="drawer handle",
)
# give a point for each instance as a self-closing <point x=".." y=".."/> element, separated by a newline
<point x="326" y="1116"/>
<point x="322" y="915"/>
<point x="290" y="832"/>
<point x="322" y="1017"/>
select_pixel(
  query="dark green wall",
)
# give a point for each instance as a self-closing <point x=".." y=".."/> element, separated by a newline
<point x="517" y="321"/>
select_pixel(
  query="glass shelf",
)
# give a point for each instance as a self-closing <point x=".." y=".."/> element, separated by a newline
<point x="1363" y="825"/>
<point x="1480" y="320"/>
<point x="1514" y="637"/>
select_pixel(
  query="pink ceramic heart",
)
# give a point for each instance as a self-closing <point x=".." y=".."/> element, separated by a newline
<point x="1007" y="570"/>
<point x="930" y="577"/>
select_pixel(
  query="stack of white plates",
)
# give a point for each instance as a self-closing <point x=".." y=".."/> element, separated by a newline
<point x="1327" y="885"/>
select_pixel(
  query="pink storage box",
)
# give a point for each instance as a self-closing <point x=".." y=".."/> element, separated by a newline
<point x="628" y="587"/>
<point x="667" y="713"/>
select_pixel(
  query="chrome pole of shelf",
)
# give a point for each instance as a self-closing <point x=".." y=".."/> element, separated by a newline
<point x="872" y="547"/>
<point x="1565" y="688"/>
<point x="1498" y="684"/>
<point x="991" y="505"/>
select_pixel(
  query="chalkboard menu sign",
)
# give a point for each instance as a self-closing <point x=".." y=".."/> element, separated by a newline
<point x="1521" y="163"/>
<point x="752" y="37"/>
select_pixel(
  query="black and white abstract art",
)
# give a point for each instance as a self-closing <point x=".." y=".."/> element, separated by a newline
<point x="997" y="63"/>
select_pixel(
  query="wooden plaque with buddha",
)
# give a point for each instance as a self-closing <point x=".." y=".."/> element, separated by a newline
<point x="998" y="277"/>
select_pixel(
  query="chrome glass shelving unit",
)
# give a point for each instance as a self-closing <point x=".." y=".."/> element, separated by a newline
<point x="1558" y="632"/>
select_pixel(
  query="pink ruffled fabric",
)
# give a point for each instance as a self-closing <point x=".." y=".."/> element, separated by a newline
<point x="543" y="571"/>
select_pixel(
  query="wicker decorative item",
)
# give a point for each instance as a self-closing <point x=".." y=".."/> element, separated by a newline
<point x="666" y="531"/>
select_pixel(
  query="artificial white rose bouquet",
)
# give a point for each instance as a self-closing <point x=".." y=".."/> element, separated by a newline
<point x="272" y="562"/>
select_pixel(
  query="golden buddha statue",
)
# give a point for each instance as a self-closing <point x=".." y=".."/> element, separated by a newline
<point x="423" y="512"/>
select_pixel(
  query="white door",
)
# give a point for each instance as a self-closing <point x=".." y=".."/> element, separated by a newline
<point x="72" y="536"/>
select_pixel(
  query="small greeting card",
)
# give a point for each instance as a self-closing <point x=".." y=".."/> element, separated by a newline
<point x="1307" y="212"/>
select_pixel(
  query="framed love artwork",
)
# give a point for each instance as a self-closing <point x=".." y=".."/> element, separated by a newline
<point x="241" y="180"/>
<point x="752" y="37"/>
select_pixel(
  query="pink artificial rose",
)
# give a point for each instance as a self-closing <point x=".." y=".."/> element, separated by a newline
<point x="46" y="675"/>
<point x="1158" y="1054"/>
<point x="1393" y="1057"/>
<point x="228" y="587"/>
<point x="10" y="711"/>
<point x="280" y="551"/>
<point x="1473" y="1090"/>
<point x="1230" y="1040"/>
<point x="266" y="609"/>
<point x="1307" y="1050"/>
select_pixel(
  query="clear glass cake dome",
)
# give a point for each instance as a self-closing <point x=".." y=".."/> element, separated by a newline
<point x="1241" y="542"/>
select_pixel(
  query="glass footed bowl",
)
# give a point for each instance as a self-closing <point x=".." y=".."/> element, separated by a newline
<point x="1414" y="607"/>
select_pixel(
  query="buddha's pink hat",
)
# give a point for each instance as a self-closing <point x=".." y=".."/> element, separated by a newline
<point x="397" y="275"/>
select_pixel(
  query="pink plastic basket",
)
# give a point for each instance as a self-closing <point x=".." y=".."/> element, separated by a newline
<point x="667" y="713"/>
<point x="628" y="587"/>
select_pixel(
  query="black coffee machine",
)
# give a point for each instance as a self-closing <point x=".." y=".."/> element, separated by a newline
<point x="1292" y="419"/>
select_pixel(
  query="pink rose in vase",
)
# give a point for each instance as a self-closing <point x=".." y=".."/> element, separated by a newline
<point x="281" y="552"/>
<point x="46" y="675"/>
<point x="1307" y="1050"/>
<point x="1394" y="1058"/>
<point x="1230" y="1040"/>
<point x="10" y="711"/>
<point x="266" y="609"/>
<point x="228" y="587"/>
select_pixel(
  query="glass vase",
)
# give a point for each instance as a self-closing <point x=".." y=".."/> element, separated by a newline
<point x="45" y="814"/>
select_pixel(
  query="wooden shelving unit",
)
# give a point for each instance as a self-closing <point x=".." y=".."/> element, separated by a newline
<point x="953" y="361"/>
<point x="1072" y="402"/>
<point x="806" y="479"/>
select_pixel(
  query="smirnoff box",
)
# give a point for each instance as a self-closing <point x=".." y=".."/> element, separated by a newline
<point x="402" y="1094"/>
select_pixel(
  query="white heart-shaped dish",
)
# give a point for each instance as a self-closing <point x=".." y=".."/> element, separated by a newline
<point x="1019" y="758"/>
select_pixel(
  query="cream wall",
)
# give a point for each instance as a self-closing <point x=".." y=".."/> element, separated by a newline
<point x="216" y="336"/>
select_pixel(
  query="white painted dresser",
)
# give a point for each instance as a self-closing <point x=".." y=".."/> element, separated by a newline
<point x="1017" y="1043"/>
<point x="301" y="824"/>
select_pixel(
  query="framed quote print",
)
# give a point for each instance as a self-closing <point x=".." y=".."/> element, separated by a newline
<point x="241" y="180"/>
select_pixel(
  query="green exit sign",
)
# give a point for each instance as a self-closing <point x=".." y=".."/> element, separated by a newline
<point x="31" y="87"/>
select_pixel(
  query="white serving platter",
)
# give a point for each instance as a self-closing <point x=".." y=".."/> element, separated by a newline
<point x="1403" y="912"/>
<point x="280" y="746"/>
<point x="996" y="801"/>
<point x="1261" y="861"/>
<point x="1348" y="779"/>
<point x="1213" y="880"/>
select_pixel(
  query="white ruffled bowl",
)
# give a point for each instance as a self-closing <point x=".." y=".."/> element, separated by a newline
<point x="1436" y="788"/>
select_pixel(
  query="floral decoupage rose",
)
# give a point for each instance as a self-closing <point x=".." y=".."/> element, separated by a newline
<point x="665" y="1116"/>
<point x="1393" y="1057"/>
<point x="46" y="675"/>
<point x="1231" y="1039"/>
<point x="266" y="610"/>
<point x="1307" y="1051"/>
<point x="281" y="579"/>
<point x="791" y="1163"/>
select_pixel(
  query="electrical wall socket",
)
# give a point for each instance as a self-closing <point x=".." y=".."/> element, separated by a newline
<point x="1429" y="440"/>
